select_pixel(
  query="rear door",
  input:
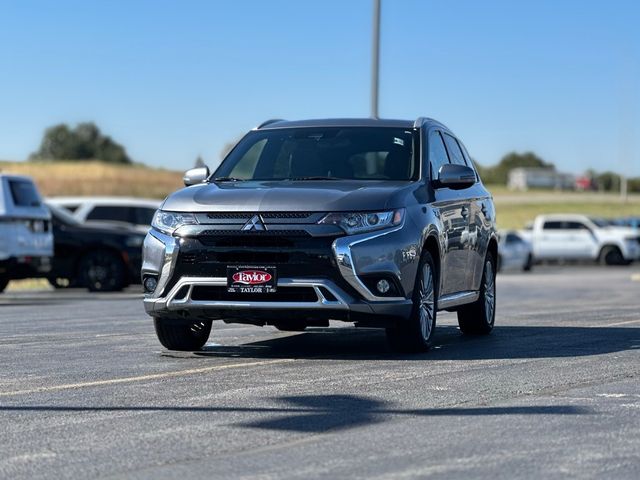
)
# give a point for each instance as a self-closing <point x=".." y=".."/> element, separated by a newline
<point x="564" y="239"/>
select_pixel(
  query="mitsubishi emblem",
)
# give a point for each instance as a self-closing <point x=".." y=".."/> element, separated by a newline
<point x="255" y="223"/>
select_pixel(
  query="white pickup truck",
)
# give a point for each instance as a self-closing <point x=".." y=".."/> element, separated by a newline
<point x="578" y="237"/>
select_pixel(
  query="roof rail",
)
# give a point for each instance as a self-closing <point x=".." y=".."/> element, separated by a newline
<point x="419" y="122"/>
<point x="269" y="122"/>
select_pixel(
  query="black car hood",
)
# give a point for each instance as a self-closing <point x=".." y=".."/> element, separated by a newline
<point x="288" y="196"/>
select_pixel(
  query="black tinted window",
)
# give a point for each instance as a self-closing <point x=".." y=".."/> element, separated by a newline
<point x="437" y="153"/>
<point x="575" y="226"/>
<point x="110" y="214"/>
<point x="144" y="215"/>
<point x="24" y="194"/>
<point x="455" y="154"/>
<point x="513" y="238"/>
<point x="366" y="153"/>
<point x="552" y="225"/>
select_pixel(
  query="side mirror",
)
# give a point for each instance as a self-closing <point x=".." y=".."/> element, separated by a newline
<point x="456" y="177"/>
<point x="195" y="176"/>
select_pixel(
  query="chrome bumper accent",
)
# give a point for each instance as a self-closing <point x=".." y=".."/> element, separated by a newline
<point x="171" y="303"/>
<point x="160" y="252"/>
<point x="342" y="252"/>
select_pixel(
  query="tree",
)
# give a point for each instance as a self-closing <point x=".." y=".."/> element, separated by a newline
<point x="199" y="163"/>
<point x="498" y="174"/>
<point x="85" y="142"/>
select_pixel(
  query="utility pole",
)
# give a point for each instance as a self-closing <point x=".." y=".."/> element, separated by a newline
<point x="375" y="64"/>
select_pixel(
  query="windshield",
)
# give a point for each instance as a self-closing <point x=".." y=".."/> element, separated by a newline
<point x="360" y="153"/>
<point x="601" y="222"/>
<point x="24" y="193"/>
<point x="62" y="215"/>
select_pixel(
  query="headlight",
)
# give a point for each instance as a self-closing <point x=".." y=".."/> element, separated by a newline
<point x="169" y="222"/>
<point x="361" y="222"/>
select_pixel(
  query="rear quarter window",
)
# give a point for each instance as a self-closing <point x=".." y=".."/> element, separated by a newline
<point x="24" y="193"/>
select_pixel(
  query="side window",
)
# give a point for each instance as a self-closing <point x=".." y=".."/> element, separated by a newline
<point x="576" y="226"/>
<point x="437" y="153"/>
<point x="552" y="225"/>
<point x="110" y="214"/>
<point x="467" y="159"/>
<point x="513" y="238"/>
<point x="455" y="154"/>
<point x="143" y="215"/>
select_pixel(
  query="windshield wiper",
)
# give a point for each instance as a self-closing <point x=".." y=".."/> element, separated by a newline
<point x="227" y="179"/>
<point x="319" y="177"/>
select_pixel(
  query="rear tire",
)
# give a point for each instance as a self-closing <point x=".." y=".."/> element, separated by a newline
<point x="102" y="271"/>
<point x="478" y="317"/>
<point x="182" y="336"/>
<point x="416" y="334"/>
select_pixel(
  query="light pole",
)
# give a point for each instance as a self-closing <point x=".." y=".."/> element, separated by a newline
<point x="375" y="64"/>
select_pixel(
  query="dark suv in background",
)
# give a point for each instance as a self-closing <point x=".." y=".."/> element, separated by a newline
<point x="377" y="222"/>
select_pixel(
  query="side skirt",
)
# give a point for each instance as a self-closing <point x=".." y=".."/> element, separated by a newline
<point x="453" y="300"/>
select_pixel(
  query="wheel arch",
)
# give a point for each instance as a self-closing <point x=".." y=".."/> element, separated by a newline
<point x="432" y="246"/>
<point x="492" y="248"/>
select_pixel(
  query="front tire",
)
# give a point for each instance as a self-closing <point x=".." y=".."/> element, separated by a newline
<point x="479" y="317"/>
<point x="416" y="334"/>
<point x="102" y="271"/>
<point x="182" y="336"/>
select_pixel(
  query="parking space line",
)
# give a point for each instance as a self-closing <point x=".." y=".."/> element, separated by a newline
<point x="141" y="378"/>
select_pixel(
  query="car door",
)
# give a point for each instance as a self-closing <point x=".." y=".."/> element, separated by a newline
<point x="452" y="208"/>
<point x="581" y="241"/>
<point x="563" y="239"/>
<point x="481" y="224"/>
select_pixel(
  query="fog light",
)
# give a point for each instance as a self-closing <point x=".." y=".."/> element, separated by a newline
<point x="150" y="284"/>
<point x="383" y="286"/>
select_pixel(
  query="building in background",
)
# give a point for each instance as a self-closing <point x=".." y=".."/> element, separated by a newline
<point x="549" y="178"/>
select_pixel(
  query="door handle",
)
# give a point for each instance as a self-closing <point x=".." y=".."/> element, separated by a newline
<point x="464" y="212"/>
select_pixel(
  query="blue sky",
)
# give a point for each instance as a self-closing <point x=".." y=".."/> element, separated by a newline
<point x="175" y="79"/>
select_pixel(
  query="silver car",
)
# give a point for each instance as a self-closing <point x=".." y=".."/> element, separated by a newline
<point x="377" y="222"/>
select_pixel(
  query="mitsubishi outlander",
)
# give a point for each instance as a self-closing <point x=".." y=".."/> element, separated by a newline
<point x="377" y="222"/>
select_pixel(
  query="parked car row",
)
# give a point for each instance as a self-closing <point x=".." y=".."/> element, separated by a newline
<point x="96" y="243"/>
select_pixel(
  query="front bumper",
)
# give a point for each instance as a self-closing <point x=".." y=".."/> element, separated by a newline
<point x="338" y="290"/>
<point x="16" y="268"/>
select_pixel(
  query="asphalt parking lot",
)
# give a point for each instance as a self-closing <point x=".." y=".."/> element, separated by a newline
<point x="86" y="391"/>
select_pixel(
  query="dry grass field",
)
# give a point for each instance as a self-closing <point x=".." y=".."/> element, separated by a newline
<point x="97" y="178"/>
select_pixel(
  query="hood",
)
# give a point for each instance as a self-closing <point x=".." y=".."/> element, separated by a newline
<point x="618" y="232"/>
<point x="289" y="196"/>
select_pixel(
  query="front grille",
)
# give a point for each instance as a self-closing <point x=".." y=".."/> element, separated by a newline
<point x="286" y="215"/>
<point x="229" y="215"/>
<point x="238" y="238"/>
<point x="293" y="256"/>
<point x="282" y="294"/>
<point x="248" y="215"/>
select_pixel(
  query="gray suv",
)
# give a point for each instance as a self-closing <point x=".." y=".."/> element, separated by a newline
<point x="377" y="222"/>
